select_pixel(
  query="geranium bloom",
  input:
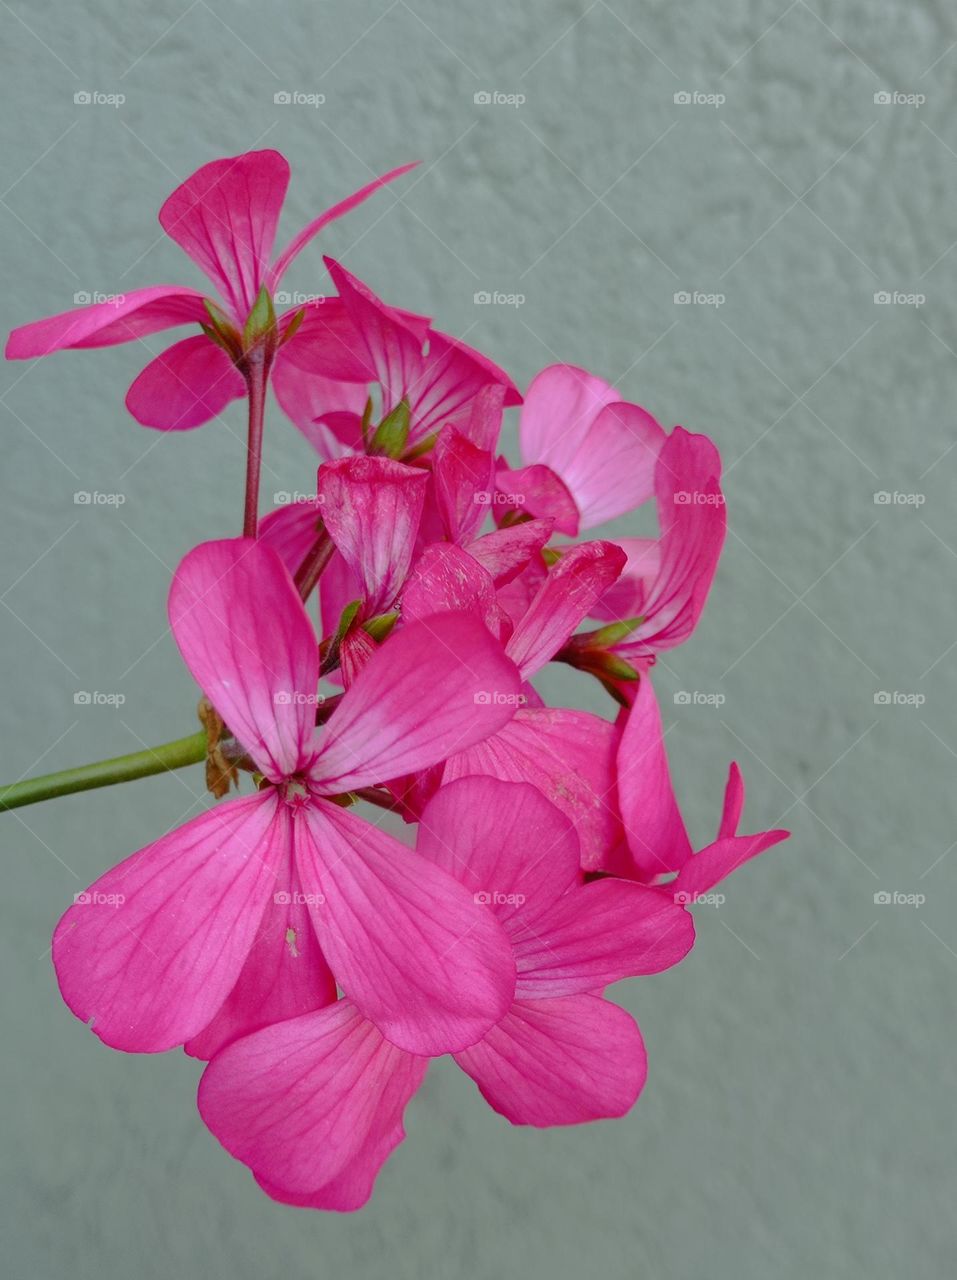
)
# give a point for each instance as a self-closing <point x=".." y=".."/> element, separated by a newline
<point x="224" y="217"/>
<point x="404" y="940"/>
<point x="314" y="1105"/>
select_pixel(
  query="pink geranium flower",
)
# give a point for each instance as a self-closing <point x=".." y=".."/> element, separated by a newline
<point x="314" y="1105"/>
<point x="158" y="948"/>
<point x="224" y="217"/>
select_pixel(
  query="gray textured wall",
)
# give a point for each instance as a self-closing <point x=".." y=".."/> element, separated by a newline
<point x="798" y="1119"/>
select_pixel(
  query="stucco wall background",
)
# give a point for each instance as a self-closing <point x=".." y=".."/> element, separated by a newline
<point x="798" y="1119"/>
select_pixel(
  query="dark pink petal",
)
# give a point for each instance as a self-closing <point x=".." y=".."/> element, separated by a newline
<point x="299" y="1101"/>
<point x="510" y="847"/>
<point x="319" y="406"/>
<point x="565" y="598"/>
<point x="372" y="508"/>
<point x="462" y="483"/>
<point x="538" y="491"/>
<point x="563" y="1061"/>
<point x="291" y="530"/>
<point x="327" y="343"/>
<point x="692" y="516"/>
<point x="355" y="651"/>
<point x="733" y="803"/>
<point x="435" y="687"/>
<point x="447" y="579"/>
<point x="285" y="973"/>
<point x="570" y="756"/>
<point x="189" y="383"/>
<point x="597" y="934"/>
<point x="626" y="597"/>
<point x="614" y="470"/>
<point x="717" y="861"/>
<point x="431" y="967"/>
<point x="351" y="1188"/>
<point x="654" y="828"/>
<point x="312" y="229"/>
<point x="224" y="217"/>
<point x="560" y="406"/>
<point x="150" y="952"/>
<point x="131" y="315"/>
<point x="245" y="636"/>
<point x="506" y="552"/>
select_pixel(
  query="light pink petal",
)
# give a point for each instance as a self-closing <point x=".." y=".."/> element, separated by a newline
<point x="563" y="1061"/>
<point x="614" y="469"/>
<point x="285" y="973"/>
<point x="132" y="315"/>
<point x="447" y="579"/>
<point x="510" y="847"/>
<point x="560" y="405"/>
<point x="462" y="484"/>
<point x="351" y="1188"/>
<point x="693" y="518"/>
<point x="538" y="491"/>
<point x="312" y="229"/>
<point x="224" y="217"/>
<point x="245" y="636"/>
<point x="654" y="828"/>
<point x="434" y="687"/>
<point x="372" y="508"/>
<point x="189" y="383"/>
<point x="151" y="951"/>
<point x="506" y="552"/>
<point x="565" y="598"/>
<point x="299" y="1101"/>
<point x="597" y="934"/>
<point x="291" y="530"/>
<point x="570" y="756"/>
<point x="408" y="944"/>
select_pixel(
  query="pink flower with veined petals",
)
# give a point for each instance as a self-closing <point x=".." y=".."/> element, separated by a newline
<point x="314" y="1105"/>
<point x="588" y="454"/>
<point x="156" y="949"/>
<point x="224" y="217"/>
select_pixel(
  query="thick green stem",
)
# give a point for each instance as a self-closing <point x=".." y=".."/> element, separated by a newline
<point x="104" y="773"/>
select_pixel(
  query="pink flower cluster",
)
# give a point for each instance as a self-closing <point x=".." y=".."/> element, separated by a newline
<point x="315" y="962"/>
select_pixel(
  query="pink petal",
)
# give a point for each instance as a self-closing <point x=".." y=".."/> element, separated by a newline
<point x="318" y="405"/>
<point x="504" y="553"/>
<point x="598" y="934"/>
<point x="654" y="828"/>
<point x="563" y="1061"/>
<point x="510" y="847"/>
<point x="351" y="1188"/>
<point x="407" y="943"/>
<point x="436" y="686"/>
<point x="285" y="973"/>
<point x="733" y="803"/>
<point x="154" y="947"/>
<point x="462" y="482"/>
<point x="570" y="756"/>
<point x="626" y="597"/>
<point x="328" y="344"/>
<point x="132" y="315"/>
<point x="564" y="599"/>
<point x="693" y="519"/>
<point x="191" y="382"/>
<point x="717" y="861"/>
<point x="538" y="491"/>
<point x="245" y="636"/>
<point x="299" y="1101"/>
<point x="447" y="579"/>
<point x="560" y="406"/>
<point x="224" y="217"/>
<point x="312" y="229"/>
<point x="291" y="530"/>
<point x="372" y="508"/>
<point x="614" y="470"/>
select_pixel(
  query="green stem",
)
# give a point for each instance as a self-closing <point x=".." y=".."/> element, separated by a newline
<point x="104" y="773"/>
